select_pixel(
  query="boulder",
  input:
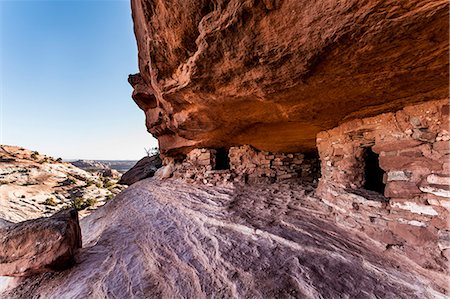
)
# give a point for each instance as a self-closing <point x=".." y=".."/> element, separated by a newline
<point x="144" y="168"/>
<point x="40" y="245"/>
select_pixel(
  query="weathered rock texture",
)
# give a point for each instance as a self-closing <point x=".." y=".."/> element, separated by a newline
<point x="274" y="73"/>
<point x="414" y="152"/>
<point x="169" y="239"/>
<point x="144" y="168"/>
<point x="243" y="164"/>
<point x="40" y="245"/>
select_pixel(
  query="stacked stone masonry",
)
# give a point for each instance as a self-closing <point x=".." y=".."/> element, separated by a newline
<point x="414" y="152"/>
<point x="246" y="165"/>
<point x="412" y="146"/>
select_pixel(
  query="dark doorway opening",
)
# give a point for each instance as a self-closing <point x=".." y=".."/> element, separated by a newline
<point x="312" y="163"/>
<point x="222" y="159"/>
<point x="373" y="174"/>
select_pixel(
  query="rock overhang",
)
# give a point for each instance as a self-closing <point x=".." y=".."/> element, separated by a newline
<point x="273" y="74"/>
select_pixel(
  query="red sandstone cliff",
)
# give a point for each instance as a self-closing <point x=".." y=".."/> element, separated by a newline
<point x="274" y="73"/>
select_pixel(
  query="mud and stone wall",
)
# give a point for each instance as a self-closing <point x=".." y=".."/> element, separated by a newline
<point x="401" y="199"/>
<point x="411" y="210"/>
<point x="246" y="165"/>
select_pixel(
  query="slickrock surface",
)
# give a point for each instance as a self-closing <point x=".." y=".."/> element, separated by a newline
<point x="33" y="185"/>
<point x="40" y="245"/>
<point x="274" y="73"/>
<point x="168" y="239"/>
<point x="144" y="168"/>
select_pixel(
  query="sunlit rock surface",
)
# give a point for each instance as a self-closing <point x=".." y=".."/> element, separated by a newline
<point x="170" y="239"/>
<point x="272" y="74"/>
<point x="34" y="185"/>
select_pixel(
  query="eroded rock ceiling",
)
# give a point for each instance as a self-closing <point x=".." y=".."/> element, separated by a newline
<point x="274" y="73"/>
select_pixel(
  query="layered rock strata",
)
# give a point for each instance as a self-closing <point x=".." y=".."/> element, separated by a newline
<point x="40" y="245"/>
<point x="272" y="74"/>
<point x="412" y="211"/>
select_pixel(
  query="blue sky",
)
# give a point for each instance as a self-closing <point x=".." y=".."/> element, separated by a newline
<point x="64" y="89"/>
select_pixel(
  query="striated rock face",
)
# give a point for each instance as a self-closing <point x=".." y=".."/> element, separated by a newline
<point x="40" y="245"/>
<point x="274" y="73"/>
<point x="169" y="239"/>
<point x="144" y="168"/>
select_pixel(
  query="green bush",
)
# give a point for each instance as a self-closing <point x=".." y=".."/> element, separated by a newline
<point x="108" y="183"/>
<point x="67" y="182"/>
<point x="90" y="202"/>
<point x="50" y="202"/>
<point x="34" y="155"/>
<point x="89" y="183"/>
<point x="78" y="203"/>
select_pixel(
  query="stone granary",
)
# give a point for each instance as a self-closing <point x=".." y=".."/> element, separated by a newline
<point x="387" y="175"/>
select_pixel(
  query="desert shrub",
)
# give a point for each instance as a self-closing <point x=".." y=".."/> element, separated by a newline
<point x="66" y="206"/>
<point x="89" y="183"/>
<point x="50" y="202"/>
<point x="109" y="197"/>
<point x="22" y="196"/>
<point x="4" y="182"/>
<point x="152" y="151"/>
<point x="78" y="203"/>
<point x="59" y="160"/>
<point x="108" y="183"/>
<point x="90" y="202"/>
<point x="67" y="182"/>
<point x="34" y="155"/>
